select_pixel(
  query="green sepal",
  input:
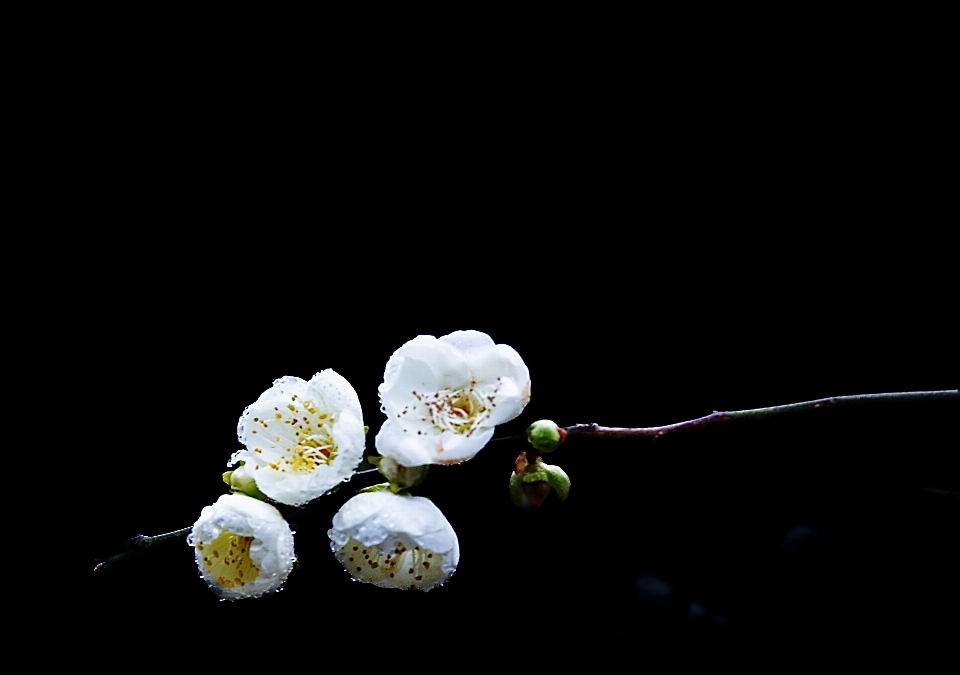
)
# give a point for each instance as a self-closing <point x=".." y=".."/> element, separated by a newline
<point x="379" y="487"/>
<point x="558" y="479"/>
<point x="539" y="472"/>
<point x="516" y="488"/>
<point x="534" y="476"/>
<point x="241" y="482"/>
<point x="253" y="491"/>
<point x="366" y="430"/>
<point x="399" y="475"/>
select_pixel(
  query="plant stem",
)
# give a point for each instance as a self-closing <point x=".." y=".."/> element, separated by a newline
<point x="137" y="544"/>
<point x="717" y="417"/>
<point x="145" y="541"/>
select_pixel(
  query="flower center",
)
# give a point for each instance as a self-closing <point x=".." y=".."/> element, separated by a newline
<point x="227" y="559"/>
<point x="304" y="437"/>
<point x="461" y="410"/>
<point x="401" y="563"/>
<point x="312" y="451"/>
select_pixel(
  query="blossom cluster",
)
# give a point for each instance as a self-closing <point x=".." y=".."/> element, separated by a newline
<point x="443" y="397"/>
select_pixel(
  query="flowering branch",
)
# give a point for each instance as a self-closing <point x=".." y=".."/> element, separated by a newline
<point x="140" y="543"/>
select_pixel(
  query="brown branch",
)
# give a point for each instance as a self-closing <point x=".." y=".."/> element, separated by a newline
<point x="718" y="417"/>
<point x="597" y="431"/>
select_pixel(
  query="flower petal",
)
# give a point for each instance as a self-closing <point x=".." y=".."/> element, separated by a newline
<point x="439" y="365"/>
<point x="394" y="542"/>
<point x="502" y="361"/>
<point x="454" y="448"/>
<point x="510" y="400"/>
<point x="396" y="441"/>
<point x="470" y="343"/>
<point x="335" y="393"/>
<point x="404" y="445"/>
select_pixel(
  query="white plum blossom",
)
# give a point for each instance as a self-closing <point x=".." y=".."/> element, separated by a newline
<point x="302" y="438"/>
<point x="444" y="396"/>
<point x="244" y="547"/>
<point x="394" y="541"/>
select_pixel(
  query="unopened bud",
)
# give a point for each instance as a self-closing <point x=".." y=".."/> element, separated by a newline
<point x="545" y="435"/>
<point x="400" y="476"/>
<point x="240" y="481"/>
<point x="532" y="482"/>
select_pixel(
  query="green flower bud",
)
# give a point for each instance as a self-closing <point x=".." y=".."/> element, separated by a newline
<point x="532" y="482"/>
<point x="516" y="490"/>
<point x="545" y="435"/>
<point x="400" y="476"/>
<point x="558" y="479"/>
<point x="240" y="481"/>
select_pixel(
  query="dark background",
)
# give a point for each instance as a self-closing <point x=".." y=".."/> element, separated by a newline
<point x="797" y="532"/>
<point x="752" y="238"/>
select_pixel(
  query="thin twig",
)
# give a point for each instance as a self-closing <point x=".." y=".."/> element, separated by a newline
<point x="137" y="544"/>
<point x="597" y="431"/>
<point x="718" y="417"/>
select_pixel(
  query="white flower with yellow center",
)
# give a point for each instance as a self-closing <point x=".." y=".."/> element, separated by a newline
<point x="394" y="542"/>
<point x="244" y="547"/>
<point x="302" y="438"/>
<point x="444" y="396"/>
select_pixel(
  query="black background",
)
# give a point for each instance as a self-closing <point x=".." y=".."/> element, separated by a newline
<point x="799" y="531"/>
<point x="649" y="269"/>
